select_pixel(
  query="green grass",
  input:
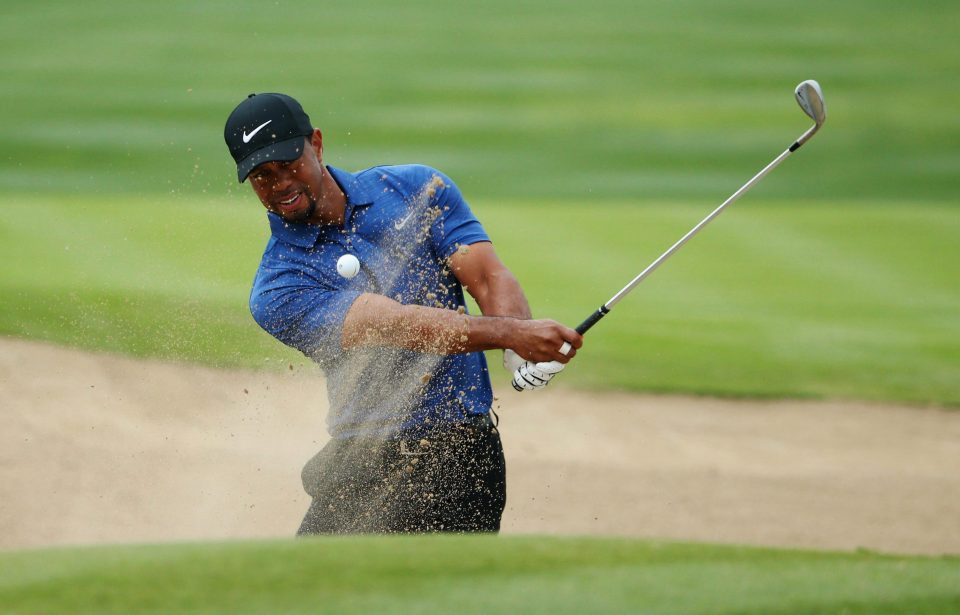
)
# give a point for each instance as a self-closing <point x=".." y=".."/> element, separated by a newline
<point x="587" y="137"/>
<point x="797" y="300"/>
<point x="150" y="277"/>
<point x="472" y="575"/>
<point x="548" y="98"/>
<point x="775" y="299"/>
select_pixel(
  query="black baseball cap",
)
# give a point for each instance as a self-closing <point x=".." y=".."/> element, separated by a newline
<point x="266" y="127"/>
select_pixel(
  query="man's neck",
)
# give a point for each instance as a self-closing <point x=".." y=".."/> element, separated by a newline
<point x="332" y="204"/>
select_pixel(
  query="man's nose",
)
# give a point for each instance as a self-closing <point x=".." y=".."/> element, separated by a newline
<point x="282" y="178"/>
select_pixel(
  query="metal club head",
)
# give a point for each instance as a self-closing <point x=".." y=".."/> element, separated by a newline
<point x="810" y="98"/>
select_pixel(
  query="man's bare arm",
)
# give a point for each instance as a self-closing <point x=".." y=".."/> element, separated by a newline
<point x="498" y="293"/>
<point x="375" y="320"/>
<point x="487" y="279"/>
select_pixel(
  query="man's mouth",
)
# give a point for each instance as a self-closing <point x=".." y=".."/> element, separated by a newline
<point x="291" y="201"/>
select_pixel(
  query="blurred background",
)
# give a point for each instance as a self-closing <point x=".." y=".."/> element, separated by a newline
<point x="587" y="138"/>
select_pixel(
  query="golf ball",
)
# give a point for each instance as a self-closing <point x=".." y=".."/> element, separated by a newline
<point x="348" y="266"/>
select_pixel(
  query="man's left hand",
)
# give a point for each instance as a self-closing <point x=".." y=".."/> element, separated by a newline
<point x="532" y="376"/>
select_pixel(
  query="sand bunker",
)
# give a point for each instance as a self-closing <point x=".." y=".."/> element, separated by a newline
<point x="97" y="448"/>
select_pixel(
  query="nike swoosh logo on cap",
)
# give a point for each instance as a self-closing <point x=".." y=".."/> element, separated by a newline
<point x="247" y="137"/>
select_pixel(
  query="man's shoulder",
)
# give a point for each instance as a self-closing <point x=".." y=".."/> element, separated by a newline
<point x="400" y="177"/>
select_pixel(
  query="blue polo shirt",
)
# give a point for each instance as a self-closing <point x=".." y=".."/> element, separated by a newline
<point x="402" y="223"/>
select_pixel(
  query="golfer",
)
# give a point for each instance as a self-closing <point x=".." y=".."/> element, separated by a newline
<point x="413" y="447"/>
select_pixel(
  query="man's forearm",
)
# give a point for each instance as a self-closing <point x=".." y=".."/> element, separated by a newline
<point x="375" y="320"/>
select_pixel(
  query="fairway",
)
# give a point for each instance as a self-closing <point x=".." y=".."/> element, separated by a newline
<point x="799" y="299"/>
<point x="828" y="294"/>
<point x="472" y="575"/>
<point x="834" y="278"/>
<point x="544" y="99"/>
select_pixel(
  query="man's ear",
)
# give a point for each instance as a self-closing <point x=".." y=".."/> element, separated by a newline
<point x="316" y="141"/>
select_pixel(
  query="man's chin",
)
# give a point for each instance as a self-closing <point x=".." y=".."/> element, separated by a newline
<point x="299" y="216"/>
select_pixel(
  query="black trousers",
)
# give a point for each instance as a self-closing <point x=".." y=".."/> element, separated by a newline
<point x="452" y="480"/>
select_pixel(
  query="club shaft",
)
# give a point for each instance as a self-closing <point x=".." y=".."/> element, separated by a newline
<point x="716" y="212"/>
<point x="604" y="309"/>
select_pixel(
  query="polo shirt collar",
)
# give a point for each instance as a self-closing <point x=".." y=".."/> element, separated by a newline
<point x="306" y="235"/>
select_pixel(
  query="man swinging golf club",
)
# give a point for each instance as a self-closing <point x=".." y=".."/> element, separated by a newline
<point x="413" y="447"/>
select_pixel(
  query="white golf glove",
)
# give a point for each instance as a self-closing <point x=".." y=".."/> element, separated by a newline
<point x="532" y="376"/>
<point x="512" y="361"/>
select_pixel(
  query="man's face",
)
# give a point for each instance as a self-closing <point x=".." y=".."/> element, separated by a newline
<point x="291" y="189"/>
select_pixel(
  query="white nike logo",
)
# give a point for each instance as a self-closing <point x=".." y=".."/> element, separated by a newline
<point x="402" y="223"/>
<point x="247" y="137"/>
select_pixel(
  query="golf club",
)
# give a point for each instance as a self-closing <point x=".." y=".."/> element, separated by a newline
<point x="810" y="98"/>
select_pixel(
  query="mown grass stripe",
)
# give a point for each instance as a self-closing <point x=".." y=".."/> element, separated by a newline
<point x="472" y="574"/>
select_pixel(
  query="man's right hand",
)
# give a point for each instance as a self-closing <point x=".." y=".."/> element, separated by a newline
<point x="546" y="345"/>
<point x="539" y="341"/>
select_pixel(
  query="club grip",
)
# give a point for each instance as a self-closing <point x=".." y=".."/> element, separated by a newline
<point x="592" y="320"/>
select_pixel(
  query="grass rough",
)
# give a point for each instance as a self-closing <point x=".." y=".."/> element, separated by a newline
<point x="472" y="574"/>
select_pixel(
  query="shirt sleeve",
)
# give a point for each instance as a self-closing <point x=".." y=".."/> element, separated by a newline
<point x="456" y="225"/>
<point x="300" y="311"/>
